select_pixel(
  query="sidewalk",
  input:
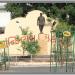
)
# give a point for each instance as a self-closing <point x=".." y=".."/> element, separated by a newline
<point x="35" y="64"/>
<point x="38" y="67"/>
<point x="29" y="64"/>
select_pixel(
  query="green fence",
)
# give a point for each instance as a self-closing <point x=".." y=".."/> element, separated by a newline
<point x="62" y="51"/>
<point x="4" y="58"/>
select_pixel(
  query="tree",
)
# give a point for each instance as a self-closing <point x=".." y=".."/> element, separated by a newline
<point x="24" y="31"/>
<point x="61" y="49"/>
<point x="63" y="26"/>
<point x="54" y="10"/>
<point x="18" y="9"/>
<point x="70" y="9"/>
<point x="32" y="47"/>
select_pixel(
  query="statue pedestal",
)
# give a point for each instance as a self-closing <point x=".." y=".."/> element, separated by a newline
<point x="43" y="42"/>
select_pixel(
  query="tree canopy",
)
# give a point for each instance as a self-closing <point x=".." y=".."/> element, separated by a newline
<point x="59" y="10"/>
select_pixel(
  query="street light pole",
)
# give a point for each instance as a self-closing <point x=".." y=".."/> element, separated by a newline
<point x="67" y="17"/>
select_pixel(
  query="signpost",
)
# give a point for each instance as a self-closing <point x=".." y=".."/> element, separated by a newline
<point x="3" y="45"/>
<point x="67" y="33"/>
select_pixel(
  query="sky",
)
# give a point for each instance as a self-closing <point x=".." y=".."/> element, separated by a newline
<point x="4" y="16"/>
<point x="2" y="4"/>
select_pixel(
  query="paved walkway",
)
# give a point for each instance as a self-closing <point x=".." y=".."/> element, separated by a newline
<point x="37" y="67"/>
<point x="35" y="64"/>
<point x="29" y="64"/>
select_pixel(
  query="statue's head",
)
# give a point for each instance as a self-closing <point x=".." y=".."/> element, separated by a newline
<point x="40" y="14"/>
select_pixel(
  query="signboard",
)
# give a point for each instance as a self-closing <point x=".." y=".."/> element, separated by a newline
<point x="3" y="44"/>
<point x="67" y="33"/>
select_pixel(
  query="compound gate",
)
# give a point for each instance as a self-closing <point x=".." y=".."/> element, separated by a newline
<point x="62" y="54"/>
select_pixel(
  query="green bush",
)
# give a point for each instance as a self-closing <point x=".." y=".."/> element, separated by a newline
<point x="32" y="47"/>
<point x="61" y="27"/>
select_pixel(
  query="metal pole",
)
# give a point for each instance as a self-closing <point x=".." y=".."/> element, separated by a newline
<point x="67" y="55"/>
<point x="51" y="51"/>
<point x="57" y="47"/>
<point x="4" y="59"/>
<point x="61" y="50"/>
<point x="73" y="53"/>
<point x="8" y="57"/>
<point x="7" y="46"/>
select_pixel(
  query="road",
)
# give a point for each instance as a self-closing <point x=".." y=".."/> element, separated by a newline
<point x="40" y="70"/>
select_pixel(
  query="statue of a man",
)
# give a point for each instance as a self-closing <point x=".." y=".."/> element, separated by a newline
<point x="41" y="22"/>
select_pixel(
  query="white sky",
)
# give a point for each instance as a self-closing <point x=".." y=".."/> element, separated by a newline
<point x="4" y="18"/>
<point x="2" y="4"/>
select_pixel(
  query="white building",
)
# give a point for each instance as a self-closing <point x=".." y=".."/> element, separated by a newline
<point x="5" y="17"/>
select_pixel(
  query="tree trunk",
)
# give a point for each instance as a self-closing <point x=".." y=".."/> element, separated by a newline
<point x="23" y="51"/>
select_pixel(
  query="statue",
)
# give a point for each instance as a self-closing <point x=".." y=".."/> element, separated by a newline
<point x="41" y="22"/>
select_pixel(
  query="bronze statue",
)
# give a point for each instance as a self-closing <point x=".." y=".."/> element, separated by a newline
<point x="41" y="22"/>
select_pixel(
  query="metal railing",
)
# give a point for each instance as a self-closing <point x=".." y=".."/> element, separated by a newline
<point x="63" y="50"/>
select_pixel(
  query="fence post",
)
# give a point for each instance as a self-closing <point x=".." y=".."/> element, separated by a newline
<point x="73" y="52"/>
<point x="67" y="54"/>
<point x="51" y="51"/>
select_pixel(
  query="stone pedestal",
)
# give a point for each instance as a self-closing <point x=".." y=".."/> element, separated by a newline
<point x="43" y="42"/>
